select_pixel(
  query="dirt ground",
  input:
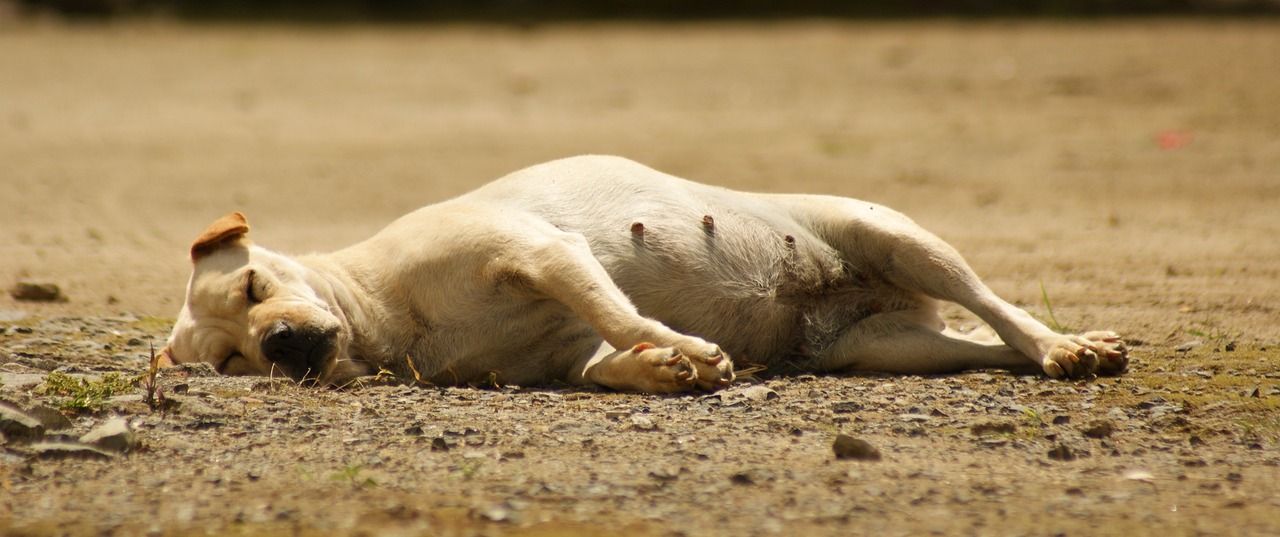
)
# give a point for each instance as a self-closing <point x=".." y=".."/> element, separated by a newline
<point x="1129" y="169"/>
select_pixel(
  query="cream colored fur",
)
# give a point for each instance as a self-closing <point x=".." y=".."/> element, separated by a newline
<point x="600" y="270"/>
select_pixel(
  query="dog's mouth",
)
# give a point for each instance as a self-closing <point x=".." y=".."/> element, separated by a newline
<point x="303" y="353"/>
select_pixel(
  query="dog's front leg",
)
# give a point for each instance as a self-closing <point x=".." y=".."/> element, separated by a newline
<point x="654" y="357"/>
<point x="642" y="368"/>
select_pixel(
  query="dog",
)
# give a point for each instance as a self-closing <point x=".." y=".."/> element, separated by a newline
<point x="599" y="270"/>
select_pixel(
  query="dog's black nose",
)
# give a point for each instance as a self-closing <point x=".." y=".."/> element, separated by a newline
<point x="299" y="352"/>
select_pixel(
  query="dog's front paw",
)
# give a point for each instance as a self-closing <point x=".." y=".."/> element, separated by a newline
<point x="1087" y="354"/>
<point x="714" y="367"/>
<point x="661" y="369"/>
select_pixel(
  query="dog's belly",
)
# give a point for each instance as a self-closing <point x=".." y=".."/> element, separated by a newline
<point x="727" y="266"/>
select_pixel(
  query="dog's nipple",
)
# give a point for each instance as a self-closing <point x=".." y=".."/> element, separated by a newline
<point x="637" y="228"/>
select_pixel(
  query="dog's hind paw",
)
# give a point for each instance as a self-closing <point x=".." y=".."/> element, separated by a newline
<point x="1113" y="353"/>
<point x="1087" y="354"/>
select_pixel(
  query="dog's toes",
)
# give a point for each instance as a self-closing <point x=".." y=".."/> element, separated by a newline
<point x="668" y="370"/>
<point x="1069" y="359"/>
<point x="715" y="371"/>
<point x="1087" y="354"/>
<point x="1113" y="353"/>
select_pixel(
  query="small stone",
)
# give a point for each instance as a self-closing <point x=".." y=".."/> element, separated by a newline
<point x="18" y="426"/>
<point x="37" y="292"/>
<point x="1188" y="346"/>
<point x="1099" y="429"/>
<point x="68" y="450"/>
<point x="759" y="393"/>
<point x="845" y="407"/>
<point x="113" y="435"/>
<point x="848" y="447"/>
<point x="1061" y="452"/>
<point x="50" y="417"/>
<point x="992" y="427"/>
<point x="643" y="423"/>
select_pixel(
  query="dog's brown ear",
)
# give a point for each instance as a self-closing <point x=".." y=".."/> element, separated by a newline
<point x="228" y="228"/>
<point x="164" y="358"/>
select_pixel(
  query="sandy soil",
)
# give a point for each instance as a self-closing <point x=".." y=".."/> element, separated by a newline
<point x="1128" y="167"/>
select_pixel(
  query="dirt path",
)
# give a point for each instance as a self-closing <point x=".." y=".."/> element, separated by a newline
<point x="1130" y="168"/>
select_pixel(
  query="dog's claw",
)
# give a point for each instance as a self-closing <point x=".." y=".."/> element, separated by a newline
<point x="675" y="358"/>
<point x="1085" y="355"/>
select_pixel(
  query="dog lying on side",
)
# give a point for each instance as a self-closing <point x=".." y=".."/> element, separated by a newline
<point x="598" y="270"/>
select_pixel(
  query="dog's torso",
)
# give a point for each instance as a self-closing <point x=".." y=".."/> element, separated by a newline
<point x="731" y="267"/>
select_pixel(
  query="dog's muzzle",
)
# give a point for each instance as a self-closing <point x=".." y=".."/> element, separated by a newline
<point x="299" y="351"/>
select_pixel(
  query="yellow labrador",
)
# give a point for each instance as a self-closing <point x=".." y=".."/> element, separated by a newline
<point x="600" y="270"/>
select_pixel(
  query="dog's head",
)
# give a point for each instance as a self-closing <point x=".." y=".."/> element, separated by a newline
<point x="251" y="311"/>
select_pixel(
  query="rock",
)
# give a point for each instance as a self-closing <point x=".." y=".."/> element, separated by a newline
<point x="848" y="447"/>
<point x="114" y="435"/>
<point x="1188" y="346"/>
<point x="51" y="418"/>
<point x="643" y="423"/>
<point x="68" y="450"/>
<point x="758" y="393"/>
<point x="18" y="426"/>
<point x="992" y="427"/>
<point x="37" y="292"/>
<point x="1061" y="452"/>
<point x="845" y="407"/>
<point x="1098" y="429"/>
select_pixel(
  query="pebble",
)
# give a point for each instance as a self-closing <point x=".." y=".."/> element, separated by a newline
<point x="643" y="423"/>
<point x="37" y="292"/>
<point x="51" y="418"/>
<point x="17" y="425"/>
<point x="1061" y="452"/>
<point x="848" y="447"/>
<point x="1098" y="429"/>
<point x="758" y="393"/>
<point x="68" y="450"/>
<point x="1188" y="346"/>
<point x="114" y="435"/>
<point x="992" y="427"/>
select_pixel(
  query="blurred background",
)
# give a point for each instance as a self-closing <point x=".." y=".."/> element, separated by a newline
<point x="541" y="10"/>
<point x="1126" y="154"/>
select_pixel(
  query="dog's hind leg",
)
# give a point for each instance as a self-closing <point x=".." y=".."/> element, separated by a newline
<point x="910" y="342"/>
<point x="890" y="246"/>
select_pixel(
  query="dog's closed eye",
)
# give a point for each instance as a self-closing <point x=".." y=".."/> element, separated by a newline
<point x="257" y="288"/>
<point x="224" y="366"/>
